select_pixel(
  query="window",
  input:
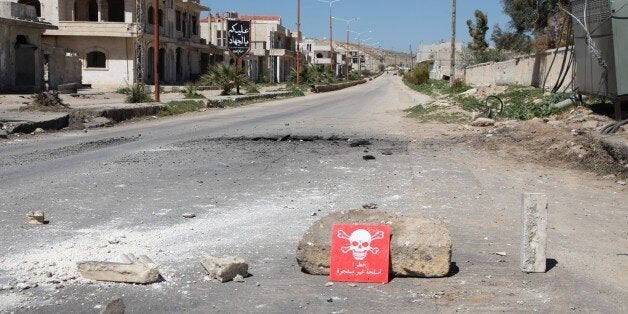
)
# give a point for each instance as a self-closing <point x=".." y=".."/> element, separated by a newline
<point x="161" y="18"/>
<point x="151" y="16"/>
<point x="319" y="55"/>
<point x="194" y="30"/>
<point x="96" y="59"/>
<point x="178" y="20"/>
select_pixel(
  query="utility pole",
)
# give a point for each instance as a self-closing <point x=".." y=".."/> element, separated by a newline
<point x="452" y="70"/>
<point x="332" y="58"/>
<point x="298" y="42"/>
<point x="156" y="48"/>
<point x="348" y="50"/>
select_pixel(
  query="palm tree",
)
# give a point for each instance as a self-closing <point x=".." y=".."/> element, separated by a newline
<point x="226" y="77"/>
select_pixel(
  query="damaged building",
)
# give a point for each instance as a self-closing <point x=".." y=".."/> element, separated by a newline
<point x="114" y="39"/>
<point x="21" y="57"/>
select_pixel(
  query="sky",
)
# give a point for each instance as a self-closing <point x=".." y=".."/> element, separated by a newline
<point x="395" y="24"/>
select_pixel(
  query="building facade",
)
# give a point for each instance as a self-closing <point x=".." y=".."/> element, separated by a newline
<point x="21" y="55"/>
<point x="273" y="47"/>
<point x="114" y="39"/>
<point x="438" y="56"/>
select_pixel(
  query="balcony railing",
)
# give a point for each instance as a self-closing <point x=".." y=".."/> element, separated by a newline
<point x="97" y="29"/>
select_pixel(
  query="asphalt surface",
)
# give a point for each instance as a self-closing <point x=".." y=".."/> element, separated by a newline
<point x="125" y="189"/>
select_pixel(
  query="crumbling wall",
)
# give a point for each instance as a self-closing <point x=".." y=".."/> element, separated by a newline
<point x="528" y="70"/>
<point x="63" y="68"/>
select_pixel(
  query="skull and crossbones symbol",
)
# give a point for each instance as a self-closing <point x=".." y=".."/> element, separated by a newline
<point x="360" y="243"/>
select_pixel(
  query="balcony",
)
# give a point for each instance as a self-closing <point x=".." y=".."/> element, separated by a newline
<point x="94" y="29"/>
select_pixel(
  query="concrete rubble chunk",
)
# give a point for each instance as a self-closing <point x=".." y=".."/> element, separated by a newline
<point x="132" y="270"/>
<point x="481" y="122"/>
<point x="35" y="218"/>
<point x="534" y="233"/>
<point x="114" y="306"/>
<point x="226" y="268"/>
<point x="419" y="246"/>
<point x="4" y="134"/>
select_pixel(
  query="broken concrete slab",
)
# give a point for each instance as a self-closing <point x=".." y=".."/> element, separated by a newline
<point x="420" y="247"/>
<point x="134" y="270"/>
<point x="35" y="218"/>
<point x="226" y="268"/>
<point x="534" y="233"/>
<point x="114" y="306"/>
<point x="4" y="134"/>
<point x="97" y="122"/>
<point x="314" y="247"/>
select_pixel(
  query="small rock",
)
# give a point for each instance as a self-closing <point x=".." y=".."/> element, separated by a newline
<point x="387" y="153"/>
<point x="35" y="218"/>
<point x="4" y="134"/>
<point x="482" y="122"/>
<point x="368" y="157"/>
<point x="352" y="285"/>
<point x="5" y="287"/>
<point x="314" y="214"/>
<point x="22" y="286"/>
<point x="621" y="182"/>
<point x="329" y="284"/>
<point x="370" y="206"/>
<point x="189" y="215"/>
<point x="113" y="241"/>
<point x="238" y="278"/>
<point x="501" y="253"/>
<point x="39" y="130"/>
<point x="114" y="306"/>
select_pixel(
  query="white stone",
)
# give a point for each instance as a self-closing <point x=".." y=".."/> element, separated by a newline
<point x="534" y="233"/>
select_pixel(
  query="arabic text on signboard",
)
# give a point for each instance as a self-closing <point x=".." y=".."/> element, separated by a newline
<point x="239" y="37"/>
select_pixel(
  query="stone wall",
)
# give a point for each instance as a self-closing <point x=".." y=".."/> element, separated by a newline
<point x="529" y="70"/>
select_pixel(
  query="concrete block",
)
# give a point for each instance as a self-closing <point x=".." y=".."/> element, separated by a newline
<point x="226" y="268"/>
<point x="35" y="218"/>
<point x="534" y="233"/>
<point x="134" y="270"/>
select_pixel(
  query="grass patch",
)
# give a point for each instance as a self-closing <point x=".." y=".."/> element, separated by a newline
<point x="179" y="107"/>
<point x="432" y="113"/>
<point x="437" y="87"/>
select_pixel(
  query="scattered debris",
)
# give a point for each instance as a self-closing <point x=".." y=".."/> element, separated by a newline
<point x="189" y="215"/>
<point x="329" y="284"/>
<point x="621" y="182"/>
<point x="368" y="157"/>
<point x="134" y="270"/>
<point x="238" y="278"/>
<point x="35" y="218"/>
<point x="226" y="268"/>
<point x="370" y="206"/>
<point x="38" y="131"/>
<point x="501" y="253"/>
<point x="4" y="134"/>
<point x="49" y="100"/>
<point x="360" y="143"/>
<point x="114" y="306"/>
<point x="314" y="214"/>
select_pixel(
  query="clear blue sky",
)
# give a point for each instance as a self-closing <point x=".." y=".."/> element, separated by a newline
<point x="395" y="23"/>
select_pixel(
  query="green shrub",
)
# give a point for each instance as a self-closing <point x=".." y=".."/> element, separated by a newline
<point x="190" y="91"/>
<point x="419" y="75"/>
<point x="138" y="94"/>
<point x="251" y="89"/>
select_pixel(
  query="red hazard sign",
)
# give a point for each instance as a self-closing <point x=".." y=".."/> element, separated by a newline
<point x="360" y="253"/>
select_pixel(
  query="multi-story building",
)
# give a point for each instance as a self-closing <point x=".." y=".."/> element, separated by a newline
<point x="273" y="46"/>
<point x="362" y="57"/>
<point x="21" y="57"/>
<point x="438" y="56"/>
<point x="114" y="39"/>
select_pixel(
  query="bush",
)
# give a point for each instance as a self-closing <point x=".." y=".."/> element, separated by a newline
<point x="251" y="89"/>
<point x="138" y="94"/>
<point x="419" y="75"/>
<point x="190" y="91"/>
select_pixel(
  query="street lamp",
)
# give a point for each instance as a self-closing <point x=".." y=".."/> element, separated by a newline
<point x="347" y="53"/>
<point x="331" y="45"/>
<point x="360" y="45"/>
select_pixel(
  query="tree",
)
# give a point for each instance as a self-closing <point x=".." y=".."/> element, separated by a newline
<point x="478" y="31"/>
<point x="226" y="77"/>
<point x="538" y="19"/>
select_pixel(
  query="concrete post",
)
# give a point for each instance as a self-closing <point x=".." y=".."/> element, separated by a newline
<point x="534" y="232"/>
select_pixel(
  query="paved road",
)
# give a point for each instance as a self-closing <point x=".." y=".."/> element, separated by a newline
<point x="124" y="189"/>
